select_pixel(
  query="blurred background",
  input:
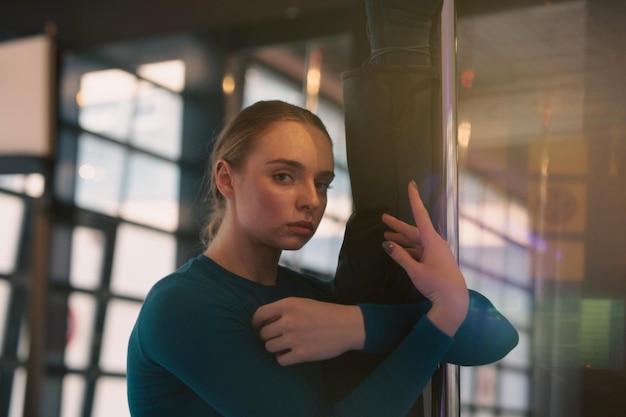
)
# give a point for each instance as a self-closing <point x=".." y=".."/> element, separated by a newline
<point x="107" y="111"/>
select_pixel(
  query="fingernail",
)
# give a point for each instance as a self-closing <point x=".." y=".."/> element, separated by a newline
<point x="388" y="247"/>
<point x="414" y="184"/>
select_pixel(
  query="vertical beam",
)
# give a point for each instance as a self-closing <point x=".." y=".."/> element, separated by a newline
<point x="449" y="402"/>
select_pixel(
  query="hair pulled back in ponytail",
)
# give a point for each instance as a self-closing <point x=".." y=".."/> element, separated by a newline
<point x="235" y="143"/>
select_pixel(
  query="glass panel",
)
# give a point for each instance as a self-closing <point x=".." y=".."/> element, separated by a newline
<point x="73" y="396"/>
<point x="5" y="292"/>
<point x="118" y="324"/>
<point x="157" y="122"/>
<point x="100" y="174"/>
<point x="141" y="257"/>
<point x="106" y="100"/>
<point x="87" y="257"/>
<point x="81" y="315"/>
<point x="543" y="119"/>
<point x="151" y="194"/>
<point x="11" y="214"/>
<point x="110" y="398"/>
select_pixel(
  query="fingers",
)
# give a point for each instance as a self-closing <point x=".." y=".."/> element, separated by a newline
<point x="420" y="214"/>
<point x="403" y="258"/>
<point x="269" y="313"/>
<point x="410" y="232"/>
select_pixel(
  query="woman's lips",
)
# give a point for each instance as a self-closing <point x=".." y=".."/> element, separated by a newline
<point x="301" y="228"/>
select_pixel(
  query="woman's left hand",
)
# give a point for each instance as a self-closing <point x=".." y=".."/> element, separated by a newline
<point x="303" y="330"/>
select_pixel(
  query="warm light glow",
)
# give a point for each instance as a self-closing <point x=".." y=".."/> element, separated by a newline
<point x="34" y="185"/>
<point x="228" y="84"/>
<point x="89" y="172"/>
<point x="467" y="78"/>
<point x="464" y="134"/>
<point x="313" y="78"/>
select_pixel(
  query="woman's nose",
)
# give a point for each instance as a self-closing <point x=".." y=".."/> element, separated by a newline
<point x="309" y="197"/>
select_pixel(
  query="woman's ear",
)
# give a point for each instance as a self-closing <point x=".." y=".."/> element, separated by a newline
<point x="224" y="178"/>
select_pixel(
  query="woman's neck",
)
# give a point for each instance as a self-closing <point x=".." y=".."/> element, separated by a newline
<point x="244" y="259"/>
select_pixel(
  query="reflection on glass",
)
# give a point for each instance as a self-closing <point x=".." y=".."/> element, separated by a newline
<point x="157" y="121"/>
<point x="73" y="392"/>
<point x="11" y="214"/>
<point x="109" y="398"/>
<point x="87" y="257"/>
<point x="106" y="100"/>
<point x="118" y="324"/>
<point x="81" y="314"/>
<point x="141" y="257"/>
<point x="100" y="174"/>
<point x="151" y="194"/>
<point x="497" y="264"/>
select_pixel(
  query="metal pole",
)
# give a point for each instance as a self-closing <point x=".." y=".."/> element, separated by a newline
<point x="450" y="399"/>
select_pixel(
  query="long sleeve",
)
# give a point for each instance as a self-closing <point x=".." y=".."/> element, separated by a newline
<point x="484" y="337"/>
<point x="209" y="346"/>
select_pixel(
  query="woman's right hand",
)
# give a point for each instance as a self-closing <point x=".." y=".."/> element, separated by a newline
<point x="431" y="265"/>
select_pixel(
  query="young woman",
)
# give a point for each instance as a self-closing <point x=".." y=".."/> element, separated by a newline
<point x="231" y="333"/>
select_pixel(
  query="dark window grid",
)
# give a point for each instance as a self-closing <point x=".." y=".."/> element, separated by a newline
<point x="19" y="285"/>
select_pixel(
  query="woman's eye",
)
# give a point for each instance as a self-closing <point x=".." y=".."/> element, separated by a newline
<point x="322" y="186"/>
<point x="282" y="177"/>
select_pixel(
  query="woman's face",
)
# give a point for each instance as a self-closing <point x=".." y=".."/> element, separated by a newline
<point x="280" y="191"/>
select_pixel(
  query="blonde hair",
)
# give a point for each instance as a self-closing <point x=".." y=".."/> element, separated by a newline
<point x="235" y="142"/>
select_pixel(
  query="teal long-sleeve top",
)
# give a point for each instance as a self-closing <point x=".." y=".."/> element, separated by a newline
<point x="193" y="351"/>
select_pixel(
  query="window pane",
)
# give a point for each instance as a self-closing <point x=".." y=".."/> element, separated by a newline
<point x="263" y="84"/>
<point x="73" y="393"/>
<point x="17" y="393"/>
<point x="100" y="174"/>
<point x="118" y="324"/>
<point x="158" y="121"/>
<point x="513" y="390"/>
<point x="106" y="100"/>
<point x="141" y="257"/>
<point x="110" y="398"/>
<point x="87" y="257"/>
<point x="151" y="195"/>
<point x="11" y="213"/>
<point x="81" y="314"/>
